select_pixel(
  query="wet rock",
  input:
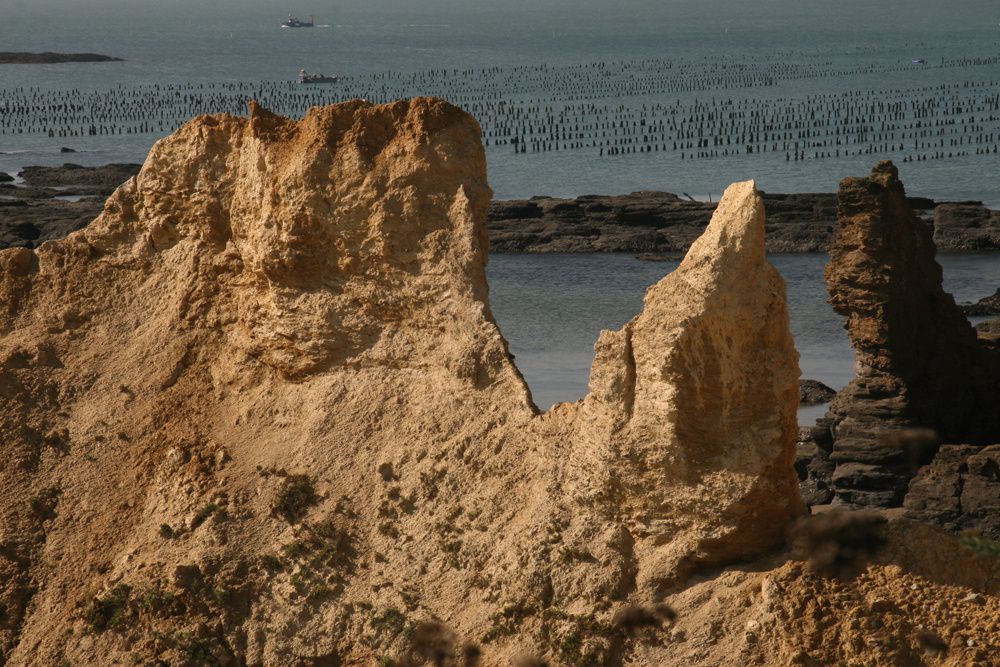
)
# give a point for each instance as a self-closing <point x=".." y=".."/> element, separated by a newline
<point x="35" y="215"/>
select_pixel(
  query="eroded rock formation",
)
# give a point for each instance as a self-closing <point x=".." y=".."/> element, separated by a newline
<point x="259" y="411"/>
<point x="919" y="363"/>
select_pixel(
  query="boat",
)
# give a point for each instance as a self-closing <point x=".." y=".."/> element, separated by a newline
<point x="918" y="61"/>
<point x="294" y="22"/>
<point x="306" y="77"/>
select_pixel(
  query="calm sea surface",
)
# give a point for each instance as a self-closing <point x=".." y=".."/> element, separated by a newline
<point x="795" y="50"/>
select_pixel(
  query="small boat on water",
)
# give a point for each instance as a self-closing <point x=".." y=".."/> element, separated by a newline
<point x="306" y="77"/>
<point x="294" y="22"/>
<point x="918" y="61"/>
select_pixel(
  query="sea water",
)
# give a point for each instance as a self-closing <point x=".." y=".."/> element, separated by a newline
<point x="551" y="309"/>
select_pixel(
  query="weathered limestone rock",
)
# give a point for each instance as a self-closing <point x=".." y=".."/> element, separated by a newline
<point x="265" y="387"/>
<point x="919" y="363"/>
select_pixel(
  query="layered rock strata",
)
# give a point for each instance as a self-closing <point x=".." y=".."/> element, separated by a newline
<point x="919" y="363"/>
<point x="258" y="412"/>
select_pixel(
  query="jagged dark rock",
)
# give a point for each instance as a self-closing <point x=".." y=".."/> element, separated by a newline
<point x="814" y="392"/>
<point x="920" y="365"/>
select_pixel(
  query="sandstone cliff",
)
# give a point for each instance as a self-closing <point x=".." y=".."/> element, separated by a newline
<point x="259" y="413"/>
<point x="259" y="410"/>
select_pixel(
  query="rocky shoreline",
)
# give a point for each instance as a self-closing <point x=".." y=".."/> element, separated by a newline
<point x="52" y="202"/>
<point x="48" y="57"/>
<point x="650" y="224"/>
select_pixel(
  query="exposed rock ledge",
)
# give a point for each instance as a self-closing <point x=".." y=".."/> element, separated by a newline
<point x="660" y="222"/>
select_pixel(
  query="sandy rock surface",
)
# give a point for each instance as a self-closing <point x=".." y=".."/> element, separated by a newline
<point x="259" y="413"/>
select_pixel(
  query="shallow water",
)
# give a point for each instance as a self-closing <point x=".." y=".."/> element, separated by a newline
<point x="551" y="309"/>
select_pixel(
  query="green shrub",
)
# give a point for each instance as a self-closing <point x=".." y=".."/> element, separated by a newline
<point x="295" y="497"/>
<point x="109" y="611"/>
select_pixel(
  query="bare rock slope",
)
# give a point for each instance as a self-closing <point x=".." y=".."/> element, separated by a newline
<point x="259" y="410"/>
<point x="259" y="413"/>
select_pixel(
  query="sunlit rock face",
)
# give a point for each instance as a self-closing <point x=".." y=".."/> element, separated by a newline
<point x="259" y="410"/>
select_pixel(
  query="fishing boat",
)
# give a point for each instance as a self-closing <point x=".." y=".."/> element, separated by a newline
<point x="294" y="22"/>
<point x="306" y="77"/>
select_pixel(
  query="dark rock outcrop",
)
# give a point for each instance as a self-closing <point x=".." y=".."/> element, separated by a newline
<point x="966" y="226"/>
<point x="988" y="305"/>
<point x="920" y="364"/>
<point x="814" y="392"/>
<point x="33" y="213"/>
<point x="104" y="178"/>
<point x="656" y="223"/>
<point x="48" y="57"/>
<point x="648" y="222"/>
<point x="959" y="490"/>
<point x="814" y="469"/>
